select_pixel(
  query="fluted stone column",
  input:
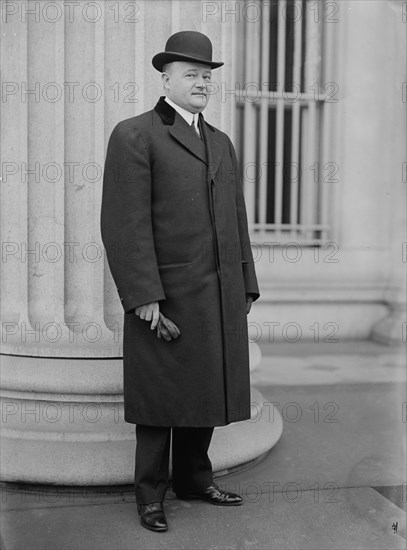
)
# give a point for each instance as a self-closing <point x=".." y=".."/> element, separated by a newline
<point x="73" y="74"/>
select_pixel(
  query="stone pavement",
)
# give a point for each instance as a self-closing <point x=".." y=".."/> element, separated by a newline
<point x="336" y="479"/>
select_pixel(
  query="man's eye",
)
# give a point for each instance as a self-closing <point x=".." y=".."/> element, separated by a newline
<point x="207" y="77"/>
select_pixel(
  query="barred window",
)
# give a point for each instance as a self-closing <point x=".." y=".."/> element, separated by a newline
<point x="286" y="82"/>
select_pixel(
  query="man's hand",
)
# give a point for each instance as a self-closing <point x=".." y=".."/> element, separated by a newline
<point x="149" y="312"/>
<point x="249" y="301"/>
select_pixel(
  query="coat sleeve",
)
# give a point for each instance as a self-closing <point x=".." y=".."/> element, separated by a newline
<point x="249" y="273"/>
<point x="126" y="224"/>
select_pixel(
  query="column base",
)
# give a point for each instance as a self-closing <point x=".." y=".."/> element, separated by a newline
<point x="53" y="435"/>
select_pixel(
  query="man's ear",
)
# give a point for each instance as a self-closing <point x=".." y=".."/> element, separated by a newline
<point x="165" y="78"/>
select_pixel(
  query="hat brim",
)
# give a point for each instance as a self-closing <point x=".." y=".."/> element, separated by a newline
<point x="162" y="58"/>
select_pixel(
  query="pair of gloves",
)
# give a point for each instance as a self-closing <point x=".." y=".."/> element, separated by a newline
<point x="165" y="327"/>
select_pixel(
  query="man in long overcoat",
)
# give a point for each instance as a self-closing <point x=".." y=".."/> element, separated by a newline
<point x="175" y="231"/>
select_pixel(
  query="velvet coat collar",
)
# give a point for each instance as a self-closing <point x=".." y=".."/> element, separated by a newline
<point x="212" y="139"/>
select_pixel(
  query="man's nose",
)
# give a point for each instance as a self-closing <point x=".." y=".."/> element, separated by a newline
<point x="200" y="83"/>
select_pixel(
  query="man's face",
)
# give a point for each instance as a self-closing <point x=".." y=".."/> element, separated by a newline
<point x="187" y="85"/>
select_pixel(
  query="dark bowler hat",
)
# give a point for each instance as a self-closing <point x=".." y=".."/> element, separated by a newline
<point x="186" y="46"/>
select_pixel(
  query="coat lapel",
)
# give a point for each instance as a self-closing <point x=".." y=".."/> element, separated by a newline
<point x="180" y="131"/>
<point x="185" y="136"/>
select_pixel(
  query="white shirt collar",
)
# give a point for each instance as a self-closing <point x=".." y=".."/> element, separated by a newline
<point x="186" y="115"/>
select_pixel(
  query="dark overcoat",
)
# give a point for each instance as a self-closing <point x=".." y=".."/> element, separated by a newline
<point x="174" y="227"/>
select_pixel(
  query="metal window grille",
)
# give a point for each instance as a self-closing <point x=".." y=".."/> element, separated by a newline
<point x="282" y="124"/>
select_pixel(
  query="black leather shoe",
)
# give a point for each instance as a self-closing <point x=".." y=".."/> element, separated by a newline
<point x="152" y="516"/>
<point x="214" y="495"/>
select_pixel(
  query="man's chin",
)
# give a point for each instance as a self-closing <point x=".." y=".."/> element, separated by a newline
<point x="199" y="100"/>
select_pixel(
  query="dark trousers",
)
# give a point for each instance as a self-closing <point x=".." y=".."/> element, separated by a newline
<point x="191" y="467"/>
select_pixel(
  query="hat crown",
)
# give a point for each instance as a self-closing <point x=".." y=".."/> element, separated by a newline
<point x="190" y="46"/>
<point x="191" y="43"/>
